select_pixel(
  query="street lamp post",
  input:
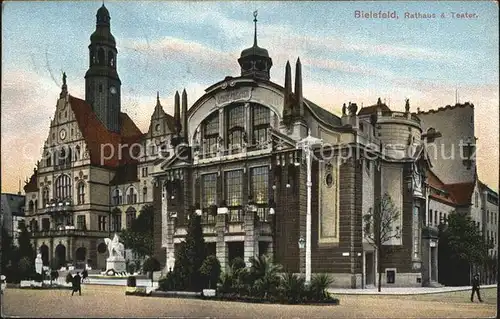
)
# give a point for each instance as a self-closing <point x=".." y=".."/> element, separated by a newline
<point x="306" y="145"/>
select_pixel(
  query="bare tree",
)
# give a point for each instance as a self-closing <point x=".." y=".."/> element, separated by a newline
<point x="379" y="228"/>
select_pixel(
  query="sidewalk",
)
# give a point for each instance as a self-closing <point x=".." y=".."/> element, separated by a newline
<point x="400" y="290"/>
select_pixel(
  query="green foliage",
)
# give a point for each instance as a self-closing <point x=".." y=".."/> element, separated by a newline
<point x="25" y="247"/>
<point x="139" y="238"/>
<point x="464" y="239"/>
<point x="264" y="274"/>
<point x="151" y="265"/>
<point x="319" y="285"/>
<point x="190" y="256"/>
<point x="237" y="264"/>
<point x="461" y="247"/>
<point x="293" y="288"/>
<point x="211" y="270"/>
<point x="26" y="267"/>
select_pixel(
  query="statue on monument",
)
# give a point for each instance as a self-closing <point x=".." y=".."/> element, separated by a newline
<point x="115" y="248"/>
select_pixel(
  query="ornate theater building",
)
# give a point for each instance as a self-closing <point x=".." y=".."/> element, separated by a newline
<point x="237" y="157"/>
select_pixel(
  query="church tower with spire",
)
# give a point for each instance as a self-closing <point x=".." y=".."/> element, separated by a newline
<point x="255" y="61"/>
<point x="102" y="84"/>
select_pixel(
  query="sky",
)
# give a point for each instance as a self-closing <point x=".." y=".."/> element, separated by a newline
<point x="169" y="46"/>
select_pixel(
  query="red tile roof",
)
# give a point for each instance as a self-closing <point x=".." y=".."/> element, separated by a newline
<point x="462" y="192"/>
<point x="98" y="138"/>
<point x="373" y="109"/>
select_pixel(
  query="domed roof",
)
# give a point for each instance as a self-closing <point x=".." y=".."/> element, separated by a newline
<point x="103" y="11"/>
<point x="255" y="51"/>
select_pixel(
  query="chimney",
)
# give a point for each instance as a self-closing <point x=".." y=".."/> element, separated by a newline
<point x="184" y="116"/>
<point x="177" y="113"/>
<point x="298" y="88"/>
<point x="288" y="90"/>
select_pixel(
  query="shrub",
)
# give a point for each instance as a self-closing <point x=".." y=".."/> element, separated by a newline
<point x="131" y="268"/>
<point x="237" y="264"/>
<point x="264" y="274"/>
<point x="292" y="288"/>
<point x="25" y="267"/>
<point x="211" y="270"/>
<point x="151" y="265"/>
<point x="69" y="278"/>
<point x="170" y="282"/>
<point x="226" y="282"/>
<point x="319" y="286"/>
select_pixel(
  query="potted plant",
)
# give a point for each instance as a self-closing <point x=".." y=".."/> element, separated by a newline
<point x="211" y="270"/>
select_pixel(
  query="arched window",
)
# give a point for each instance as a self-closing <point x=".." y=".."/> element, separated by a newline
<point x="100" y="57"/>
<point x="144" y="193"/>
<point x="117" y="197"/>
<point x="81" y="193"/>
<point x="131" y="196"/>
<point x="235" y="127"/>
<point x="63" y="187"/>
<point x="48" y="159"/>
<point x="31" y="206"/>
<point x="211" y="134"/>
<point x="260" y="124"/>
<point x="45" y="197"/>
<point x="62" y="156"/>
<point x="130" y="215"/>
<point x="77" y="153"/>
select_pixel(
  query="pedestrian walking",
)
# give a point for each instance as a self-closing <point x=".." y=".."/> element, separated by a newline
<point x="475" y="288"/>
<point x="85" y="276"/>
<point x="77" y="284"/>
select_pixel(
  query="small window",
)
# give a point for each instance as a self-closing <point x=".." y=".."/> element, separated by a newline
<point x="391" y="276"/>
<point x="100" y="88"/>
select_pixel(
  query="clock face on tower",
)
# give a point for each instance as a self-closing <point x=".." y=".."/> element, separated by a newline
<point x="112" y="90"/>
<point x="62" y="134"/>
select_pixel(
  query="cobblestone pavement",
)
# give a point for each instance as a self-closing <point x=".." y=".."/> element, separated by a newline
<point x="110" y="301"/>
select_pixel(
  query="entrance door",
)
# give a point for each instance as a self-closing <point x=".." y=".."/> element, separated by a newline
<point x="370" y="268"/>
<point x="433" y="264"/>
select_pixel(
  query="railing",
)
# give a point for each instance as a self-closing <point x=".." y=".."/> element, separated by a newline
<point x="402" y="115"/>
<point x="207" y="217"/>
<point x="263" y="214"/>
<point x="236" y="215"/>
<point x="68" y="232"/>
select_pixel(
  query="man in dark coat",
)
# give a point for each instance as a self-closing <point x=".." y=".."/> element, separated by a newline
<point x="77" y="284"/>
<point x="475" y="288"/>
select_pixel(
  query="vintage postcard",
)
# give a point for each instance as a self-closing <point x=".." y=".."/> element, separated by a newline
<point x="236" y="159"/>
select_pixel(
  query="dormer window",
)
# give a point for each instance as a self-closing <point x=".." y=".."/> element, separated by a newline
<point x="260" y="123"/>
<point x="211" y="134"/>
<point x="236" y="127"/>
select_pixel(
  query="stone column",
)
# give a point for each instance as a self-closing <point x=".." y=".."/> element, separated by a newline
<point x="170" y="229"/>
<point x="251" y="245"/>
<point x="220" y="246"/>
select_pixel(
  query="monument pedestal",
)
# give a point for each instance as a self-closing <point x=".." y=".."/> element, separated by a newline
<point x="116" y="263"/>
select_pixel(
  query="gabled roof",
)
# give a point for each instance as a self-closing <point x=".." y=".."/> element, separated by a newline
<point x="125" y="174"/>
<point x="367" y="110"/>
<point x="324" y="115"/>
<point x="96" y="135"/>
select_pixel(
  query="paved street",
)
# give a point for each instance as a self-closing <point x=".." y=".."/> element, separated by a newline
<point x="110" y="301"/>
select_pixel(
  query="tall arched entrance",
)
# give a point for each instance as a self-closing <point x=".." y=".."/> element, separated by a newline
<point x="44" y="251"/>
<point x="60" y="256"/>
